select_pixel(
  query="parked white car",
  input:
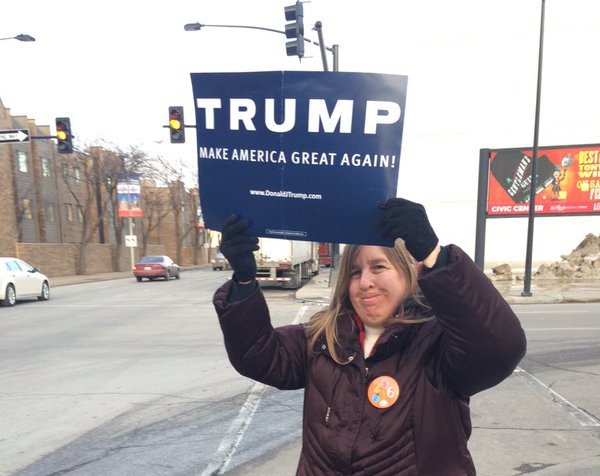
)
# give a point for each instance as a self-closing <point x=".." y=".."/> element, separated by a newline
<point x="20" y="280"/>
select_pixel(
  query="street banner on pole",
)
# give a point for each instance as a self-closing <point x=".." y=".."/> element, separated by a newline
<point x="303" y="155"/>
<point x="128" y="192"/>
<point x="568" y="181"/>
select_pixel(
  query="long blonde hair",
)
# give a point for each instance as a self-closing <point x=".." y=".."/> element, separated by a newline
<point x="325" y="321"/>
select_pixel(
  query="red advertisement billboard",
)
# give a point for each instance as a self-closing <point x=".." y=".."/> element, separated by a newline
<point x="568" y="181"/>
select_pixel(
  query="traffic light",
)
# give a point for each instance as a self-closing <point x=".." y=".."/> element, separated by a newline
<point x="64" y="136"/>
<point x="295" y="30"/>
<point x="176" y="125"/>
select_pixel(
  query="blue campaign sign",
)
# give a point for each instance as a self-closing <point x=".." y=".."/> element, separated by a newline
<point x="303" y="155"/>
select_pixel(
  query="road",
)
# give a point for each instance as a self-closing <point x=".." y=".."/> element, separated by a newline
<point x="546" y="417"/>
<point x="119" y="377"/>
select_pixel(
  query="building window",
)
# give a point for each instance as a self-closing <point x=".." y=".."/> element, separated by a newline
<point x="65" y="171"/>
<point x="80" y="214"/>
<point x="26" y="209"/>
<point x="49" y="212"/>
<point x="69" y="210"/>
<point x="76" y="175"/>
<point x="45" y="167"/>
<point x="22" y="161"/>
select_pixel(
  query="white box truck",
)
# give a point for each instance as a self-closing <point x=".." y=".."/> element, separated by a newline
<point x="286" y="262"/>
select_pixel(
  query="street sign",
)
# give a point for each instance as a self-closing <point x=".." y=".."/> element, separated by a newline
<point x="14" y="137"/>
<point x="131" y="241"/>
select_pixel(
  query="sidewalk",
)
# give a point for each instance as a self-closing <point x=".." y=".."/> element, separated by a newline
<point x="550" y="291"/>
<point x="542" y="291"/>
<point x="319" y="288"/>
<point x="56" y="281"/>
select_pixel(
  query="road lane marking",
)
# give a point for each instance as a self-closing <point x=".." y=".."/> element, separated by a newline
<point x="235" y="433"/>
<point x="232" y="439"/>
<point x="300" y="316"/>
<point x="561" y="329"/>
<point x="117" y="306"/>
<point x="582" y="417"/>
<point x="544" y="312"/>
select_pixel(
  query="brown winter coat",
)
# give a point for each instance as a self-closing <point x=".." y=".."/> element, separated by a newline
<point x="474" y="342"/>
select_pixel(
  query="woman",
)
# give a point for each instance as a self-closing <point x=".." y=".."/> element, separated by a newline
<point x="387" y="372"/>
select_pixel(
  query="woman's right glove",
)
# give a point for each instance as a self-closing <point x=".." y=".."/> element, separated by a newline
<point x="239" y="248"/>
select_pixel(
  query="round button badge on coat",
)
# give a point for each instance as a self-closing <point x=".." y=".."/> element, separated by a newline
<point x="383" y="392"/>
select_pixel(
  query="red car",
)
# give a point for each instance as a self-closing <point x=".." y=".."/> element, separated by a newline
<point x="152" y="267"/>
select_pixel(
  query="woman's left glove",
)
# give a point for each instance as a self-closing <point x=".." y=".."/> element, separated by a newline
<point x="408" y="220"/>
<point x="238" y="248"/>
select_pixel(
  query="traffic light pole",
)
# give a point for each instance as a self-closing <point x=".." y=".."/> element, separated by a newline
<point x="335" y="247"/>
<point x="45" y="137"/>
<point x="333" y="50"/>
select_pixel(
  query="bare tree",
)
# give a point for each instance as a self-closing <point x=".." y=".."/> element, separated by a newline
<point x="77" y="174"/>
<point x="179" y="202"/>
<point x="199" y="235"/>
<point x="176" y="196"/>
<point x="24" y="208"/>
<point x="155" y="209"/>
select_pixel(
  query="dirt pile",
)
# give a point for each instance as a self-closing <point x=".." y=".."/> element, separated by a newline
<point x="502" y="272"/>
<point x="582" y="263"/>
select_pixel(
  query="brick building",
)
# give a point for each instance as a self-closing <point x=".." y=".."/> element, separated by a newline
<point x="9" y="235"/>
<point x="58" y="210"/>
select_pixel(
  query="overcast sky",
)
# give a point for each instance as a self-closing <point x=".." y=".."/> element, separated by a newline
<point x="114" y="67"/>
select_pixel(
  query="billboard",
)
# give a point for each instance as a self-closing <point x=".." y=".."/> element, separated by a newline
<point x="128" y="195"/>
<point x="568" y="181"/>
<point x="303" y="155"/>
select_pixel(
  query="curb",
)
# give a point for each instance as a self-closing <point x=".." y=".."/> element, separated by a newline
<point x="319" y="289"/>
<point x="542" y="292"/>
<point x="59" y="281"/>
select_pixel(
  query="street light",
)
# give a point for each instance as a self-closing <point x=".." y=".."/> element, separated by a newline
<point x="20" y="37"/>
<point x="198" y="26"/>
<point x="334" y="50"/>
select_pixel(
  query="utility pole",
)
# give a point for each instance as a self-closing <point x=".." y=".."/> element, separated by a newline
<point x="131" y="248"/>
<point x="335" y="247"/>
<point x="528" y="258"/>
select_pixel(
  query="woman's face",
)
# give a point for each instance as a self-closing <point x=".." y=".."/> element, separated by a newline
<point x="376" y="286"/>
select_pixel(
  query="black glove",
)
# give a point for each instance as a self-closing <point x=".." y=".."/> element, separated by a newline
<point x="408" y="220"/>
<point x="238" y="248"/>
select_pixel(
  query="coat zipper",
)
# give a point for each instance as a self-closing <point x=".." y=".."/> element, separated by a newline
<point x="335" y="384"/>
<point x="330" y="404"/>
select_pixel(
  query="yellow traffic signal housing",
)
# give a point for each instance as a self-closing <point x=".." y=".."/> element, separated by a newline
<point x="64" y="136"/>
<point x="176" y="125"/>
